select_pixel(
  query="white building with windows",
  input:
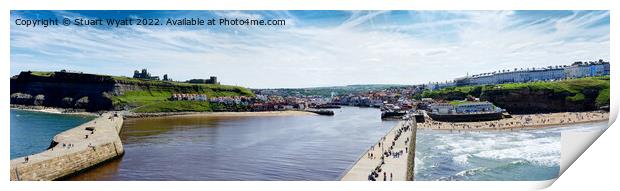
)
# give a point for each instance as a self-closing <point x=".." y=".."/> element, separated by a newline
<point x="587" y="69"/>
<point x="475" y="107"/>
<point x="550" y="73"/>
<point x="442" y="108"/>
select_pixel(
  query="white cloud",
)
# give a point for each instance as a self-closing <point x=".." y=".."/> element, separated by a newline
<point x="351" y="53"/>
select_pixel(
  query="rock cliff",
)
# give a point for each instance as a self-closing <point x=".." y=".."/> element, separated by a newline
<point x="92" y="92"/>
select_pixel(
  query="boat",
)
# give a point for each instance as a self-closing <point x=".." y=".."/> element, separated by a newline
<point x="321" y="111"/>
<point x="392" y="114"/>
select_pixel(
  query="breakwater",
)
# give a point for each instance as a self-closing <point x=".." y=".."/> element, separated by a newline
<point x="73" y="151"/>
<point x="391" y="158"/>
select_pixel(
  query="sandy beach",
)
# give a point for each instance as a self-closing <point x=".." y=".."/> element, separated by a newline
<point x="520" y="121"/>
<point x="52" y="110"/>
<point x="128" y="114"/>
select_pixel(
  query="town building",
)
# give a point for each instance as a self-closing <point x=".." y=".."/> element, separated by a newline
<point x="442" y="108"/>
<point x="474" y="107"/>
<point x="464" y="108"/>
<point x="550" y="73"/>
<point x="587" y="69"/>
<point x="189" y="97"/>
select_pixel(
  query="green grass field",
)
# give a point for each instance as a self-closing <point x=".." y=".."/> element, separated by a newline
<point x="155" y="98"/>
<point x="573" y="87"/>
<point x="174" y="106"/>
<point x="155" y="94"/>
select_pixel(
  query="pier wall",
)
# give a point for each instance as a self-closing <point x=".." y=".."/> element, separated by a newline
<point x="411" y="155"/>
<point x="61" y="160"/>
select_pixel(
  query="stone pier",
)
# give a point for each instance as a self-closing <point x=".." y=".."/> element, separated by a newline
<point x="73" y="151"/>
<point x="400" y="168"/>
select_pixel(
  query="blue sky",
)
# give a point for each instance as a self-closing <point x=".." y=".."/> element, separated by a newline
<point x="315" y="48"/>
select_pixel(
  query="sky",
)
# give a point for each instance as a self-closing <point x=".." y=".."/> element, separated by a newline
<point x="314" y="48"/>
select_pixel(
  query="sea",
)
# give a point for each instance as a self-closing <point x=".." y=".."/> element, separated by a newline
<point x="519" y="155"/>
<point x="307" y="147"/>
<point x="32" y="132"/>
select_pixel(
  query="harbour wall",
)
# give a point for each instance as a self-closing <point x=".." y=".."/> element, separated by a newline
<point x="72" y="151"/>
<point x="412" y="145"/>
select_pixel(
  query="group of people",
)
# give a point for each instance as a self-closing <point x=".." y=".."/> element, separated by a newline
<point x="374" y="175"/>
<point x="389" y="152"/>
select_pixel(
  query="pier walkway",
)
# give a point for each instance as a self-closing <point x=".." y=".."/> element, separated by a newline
<point x="396" y="168"/>
<point x="73" y="150"/>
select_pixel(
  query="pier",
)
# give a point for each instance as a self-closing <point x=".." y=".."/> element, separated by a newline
<point x="72" y="151"/>
<point x="396" y="168"/>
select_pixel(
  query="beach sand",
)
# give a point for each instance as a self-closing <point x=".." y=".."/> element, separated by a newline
<point x="52" y="110"/>
<point x="520" y="121"/>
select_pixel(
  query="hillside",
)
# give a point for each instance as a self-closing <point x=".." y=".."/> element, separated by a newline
<point x="581" y="94"/>
<point x="94" y="92"/>
<point x="337" y="90"/>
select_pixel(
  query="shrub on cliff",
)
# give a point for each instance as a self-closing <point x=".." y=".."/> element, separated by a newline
<point x="603" y="98"/>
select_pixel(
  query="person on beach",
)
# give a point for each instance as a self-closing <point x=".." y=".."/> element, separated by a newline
<point x="384" y="177"/>
<point x="390" y="176"/>
<point x="26" y="159"/>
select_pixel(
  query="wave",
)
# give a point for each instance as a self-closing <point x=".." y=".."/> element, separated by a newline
<point x="461" y="160"/>
<point x="472" y="172"/>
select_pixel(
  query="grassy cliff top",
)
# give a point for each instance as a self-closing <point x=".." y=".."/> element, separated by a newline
<point x="154" y="97"/>
<point x="170" y="86"/>
<point x="199" y="88"/>
<point x="573" y="87"/>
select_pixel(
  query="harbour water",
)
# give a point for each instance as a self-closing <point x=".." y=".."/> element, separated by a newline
<point x="296" y="147"/>
<point x="492" y="155"/>
<point x="244" y="148"/>
<point x="32" y="132"/>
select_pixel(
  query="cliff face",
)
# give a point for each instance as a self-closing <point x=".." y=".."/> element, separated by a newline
<point x="582" y="94"/>
<point x="89" y="96"/>
<point x="523" y="101"/>
<point x="93" y="92"/>
<point x="65" y="90"/>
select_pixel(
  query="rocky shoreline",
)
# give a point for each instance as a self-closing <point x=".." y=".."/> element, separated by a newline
<point x="54" y="110"/>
